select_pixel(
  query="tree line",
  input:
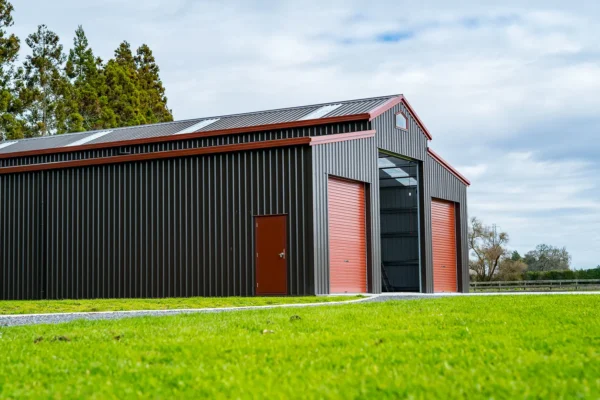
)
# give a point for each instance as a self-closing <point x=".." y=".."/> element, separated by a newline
<point x="53" y="91"/>
<point x="490" y="259"/>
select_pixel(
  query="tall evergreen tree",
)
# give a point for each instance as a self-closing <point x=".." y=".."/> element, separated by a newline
<point x="44" y="83"/>
<point x="120" y="99"/>
<point x="153" y="100"/>
<point x="10" y="106"/>
<point x="85" y="73"/>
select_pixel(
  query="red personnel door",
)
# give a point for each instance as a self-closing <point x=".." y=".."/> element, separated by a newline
<point x="271" y="255"/>
<point x="443" y="227"/>
<point x="347" y="236"/>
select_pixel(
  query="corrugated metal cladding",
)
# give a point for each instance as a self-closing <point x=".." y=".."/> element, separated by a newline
<point x="411" y="143"/>
<point x="319" y="130"/>
<point x="355" y="160"/>
<point x="441" y="184"/>
<point x="173" y="227"/>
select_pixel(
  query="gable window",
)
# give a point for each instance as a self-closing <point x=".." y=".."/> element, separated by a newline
<point x="401" y="121"/>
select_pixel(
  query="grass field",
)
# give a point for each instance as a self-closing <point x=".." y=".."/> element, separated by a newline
<point x="59" y="306"/>
<point x="458" y="347"/>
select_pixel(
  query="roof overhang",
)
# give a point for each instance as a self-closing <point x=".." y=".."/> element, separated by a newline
<point x="449" y="167"/>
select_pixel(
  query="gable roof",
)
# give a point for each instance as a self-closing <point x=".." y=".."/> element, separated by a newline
<point x="309" y="115"/>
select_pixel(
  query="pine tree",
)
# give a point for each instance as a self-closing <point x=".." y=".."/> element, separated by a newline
<point x="120" y="99"/>
<point x="44" y="83"/>
<point x="153" y="100"/>
<point x="10" y="106"/>
<point x="85" y="73"/>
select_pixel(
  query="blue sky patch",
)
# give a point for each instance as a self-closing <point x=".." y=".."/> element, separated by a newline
<point x="393" y="37"/>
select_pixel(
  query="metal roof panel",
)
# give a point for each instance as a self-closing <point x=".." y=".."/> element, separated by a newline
<point x="284" y="115"/>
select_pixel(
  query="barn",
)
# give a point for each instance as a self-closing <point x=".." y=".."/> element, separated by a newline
<point x="343" y="197"/>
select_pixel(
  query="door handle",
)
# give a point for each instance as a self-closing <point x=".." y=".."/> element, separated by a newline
<point x="282" y="254"/>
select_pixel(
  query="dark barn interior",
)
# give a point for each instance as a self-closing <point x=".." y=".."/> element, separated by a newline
<point x="400" y="244"/>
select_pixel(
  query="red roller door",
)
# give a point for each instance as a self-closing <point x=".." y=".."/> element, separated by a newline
<point x="347" y="236"/>
<point x="443" y="226"/>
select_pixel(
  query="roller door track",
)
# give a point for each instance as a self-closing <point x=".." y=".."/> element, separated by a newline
<point x="443" y="226"/>
<point x="347" y="236"/>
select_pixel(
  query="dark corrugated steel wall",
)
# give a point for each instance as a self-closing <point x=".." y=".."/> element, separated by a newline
<point x="20" y="236"/>
<point x="437" y="182"/>
<point x="172" y="227"/>
<point x="441" y="184"/>
<point x="411" y="143"/>
<point x="356" y="160"/>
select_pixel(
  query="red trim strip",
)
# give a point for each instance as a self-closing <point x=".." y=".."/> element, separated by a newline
<point x="310" y="140"/>
<point x="376" y="112"/>
<point x="158" y="155"/>
<point x="393" y="102"/>
<point x="341" y="137"/>
<point x="421" y="124"/>
<point x="173" y="138"/>
<point x="449" y="167"/>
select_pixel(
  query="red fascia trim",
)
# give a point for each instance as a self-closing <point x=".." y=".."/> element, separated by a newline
<point x="449" y="167"/>
<point x="393" y="102"/>
<point x="421" y="124"/>
<point x="376" y="112"/>
<point x="194" y="135"/>
<point x="341" y="137"/>
<point x="158" y="155"/>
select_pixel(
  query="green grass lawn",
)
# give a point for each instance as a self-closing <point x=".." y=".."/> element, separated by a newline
<point x="59" y="306"/>
<point x="497" y="347"/>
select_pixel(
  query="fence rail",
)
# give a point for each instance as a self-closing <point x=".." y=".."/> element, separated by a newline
<point x="541" y="285"/>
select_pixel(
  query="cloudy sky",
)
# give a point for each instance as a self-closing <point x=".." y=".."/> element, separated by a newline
<point x="509" y="91"/>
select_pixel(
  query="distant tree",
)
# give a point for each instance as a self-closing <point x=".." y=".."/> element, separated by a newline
<point x="516" y="256"/>
<point x="44" y="83"/>
<point x="487" y="247"/>
<point x="548" y="258"/>
<point x="10" y="106"/>
<point x="153" y="102"/>
<point x="510" y="269"/>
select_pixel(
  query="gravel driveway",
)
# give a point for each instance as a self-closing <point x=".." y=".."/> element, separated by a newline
<point x="16" y="320"/>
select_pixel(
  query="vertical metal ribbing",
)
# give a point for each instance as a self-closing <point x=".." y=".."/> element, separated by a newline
<point x="411" y="143"/>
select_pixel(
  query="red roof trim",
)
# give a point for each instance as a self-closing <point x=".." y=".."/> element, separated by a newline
<point x="376" y="112"/>
<point x="421" y="124"/>
<point x="341" y="137"/>
<point x="158" y="155"/>
<point x="449" y="167"/>
<point x="308" y="140"/>
<point x="393" y="102"/>
<point x="194" y="135"/>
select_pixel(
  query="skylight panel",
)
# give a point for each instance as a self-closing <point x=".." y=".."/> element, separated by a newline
<point x="88" y="139"/>
<point x="396" y="172"/>
<point x="385" y="163"/>
<point x="198" y="126"/>
<point x="320" y="112"/>
<point x="6" y="144"/>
